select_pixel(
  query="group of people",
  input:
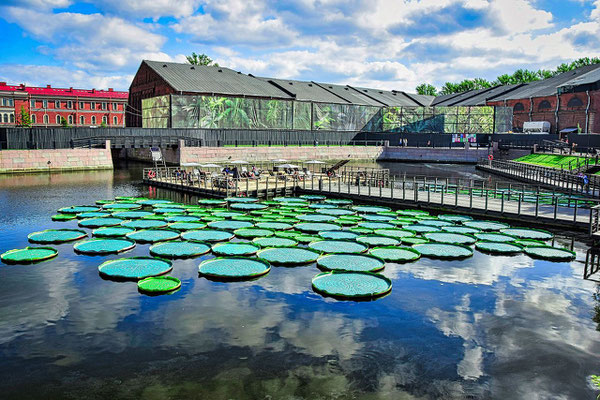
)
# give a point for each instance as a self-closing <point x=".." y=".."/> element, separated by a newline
<point x="244" y="173"/>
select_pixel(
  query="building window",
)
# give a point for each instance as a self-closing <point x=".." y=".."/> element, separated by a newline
<point x="70" y="120"/>
<point x="32" y="103"/>
<point x="58" y="119"/>
<point x="92" y="105"/>
<point x="544" y="105"/>
<point x="5" y="118"/>
<point x="519" y="107"/>
<point x="46" y="119"/>
<point x="8" y="102"/>
<point x="69" y="104"/>
<point x="104" y="106"/>
<point x="57" y="104"/>
<point x="115" y="106"/>
<point x="93" y="119"/>
<point x="81" y="105"/>
<point x="82" y="120"/>
<point x="104" y="119"/>
<point x="44" y="103"/>
<point x="115" y="121"/>
<point x="12" y="118"/>
<point x="33" y="119"/>
<point x="575" y="102"/>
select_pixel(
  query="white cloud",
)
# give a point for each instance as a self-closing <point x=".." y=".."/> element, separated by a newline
<point x="149" y="8"/>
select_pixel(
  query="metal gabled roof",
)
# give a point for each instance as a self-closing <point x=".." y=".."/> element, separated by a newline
<point x="443" y="98"/>
<point x="349" y="95"/>
<point x="425" y="100"/>
<point x="214" y="80"/>
<point x="587" y="78"/>
<point x="388" y="98"/>
<point x="306" y="91"/>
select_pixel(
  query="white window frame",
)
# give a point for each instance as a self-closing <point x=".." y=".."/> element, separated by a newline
<point x="57" y="104"/>
<point x="58" y="120"/>
<point x="92" y="105"/>
<point x="46" y="119"/>
<point x="81" y="105"/>
<point x="82" y="120"/>
<point x="69" y="104"/>
<point x="33" y="119"/>
<point x="45" y="104"/>
<point x="115" y="106"/>
<point x="70" y="120"/>
<point x="115" y="120"/>
<point x="32" y="103"/>
<point x="93" y="120"/>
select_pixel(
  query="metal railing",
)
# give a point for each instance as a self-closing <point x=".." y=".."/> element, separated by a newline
<point x="560" y="179"/>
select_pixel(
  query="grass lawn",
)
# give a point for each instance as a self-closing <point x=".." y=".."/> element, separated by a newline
<point x="553" y="160"/>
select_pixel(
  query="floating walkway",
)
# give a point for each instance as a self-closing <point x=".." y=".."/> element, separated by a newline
<point x="522" y="205"/>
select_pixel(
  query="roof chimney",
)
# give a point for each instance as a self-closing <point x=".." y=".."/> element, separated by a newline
<point x="3" y="83"/>
<point x="71" y="89"/>
<point x="110" y="89"/>
<point x="48" y="86"/>
<point x="94" y="90"/>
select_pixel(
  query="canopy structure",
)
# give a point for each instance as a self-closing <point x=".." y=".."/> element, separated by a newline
<point x="239" y="162"/>
<point x="210" y="165"/>
<point x="292" y="166"/>
<point x="190" y="164"/>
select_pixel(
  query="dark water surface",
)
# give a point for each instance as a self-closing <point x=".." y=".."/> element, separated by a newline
<point x="486" y="327"/>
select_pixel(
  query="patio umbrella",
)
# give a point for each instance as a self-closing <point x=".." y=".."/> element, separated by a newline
<point x="292" y="166"/>
<point x="239" y="162"/>
<point x="314" y="162"/>
<point x="279" y="160"/>
<point x="190" y="164"/>
<point x="210" y="166"/>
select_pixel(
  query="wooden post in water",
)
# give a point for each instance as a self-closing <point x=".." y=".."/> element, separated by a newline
<point x="267" y="187"/>
<point x="575" y="212"/>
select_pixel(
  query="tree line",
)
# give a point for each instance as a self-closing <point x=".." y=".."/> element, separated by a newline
<point x="519" y="76"/>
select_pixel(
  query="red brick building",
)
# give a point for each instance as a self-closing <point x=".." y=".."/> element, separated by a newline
<point x="47" y="106"/>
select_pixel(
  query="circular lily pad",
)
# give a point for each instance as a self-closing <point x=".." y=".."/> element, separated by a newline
<point x="314" y="227"/>
<point x="450" y="238"/>
<point x="498" y="247"/>
<point x="274" y="226"/>
<point x="454" y="217"/>
<point x="78" y="209"/>
<point x="241" y="199"/>
<point x="305" y="239"/>
<point x="131" y="214"/>
<point x="414" y="240"/>
<point x="112" y="231"/>
<point x="486" y="226"/>
<point x="444" y="251"/>
<point x="316" y="218"/>
<point x="350" y="262"/>
<point x="251" y="233"/>
<point x="288" y="255"/>
<point x="351" y="284"/>
<point x="152" y="202"/>
<point x="337" y="246"/>
<point x="524" y="233"/>
<point x="549" y="253"/>
<point x="274" y="242"/>
<point x="360" y="230"/>
<point x="207" y="235"/>
<point x="229" y="225"/>
<point x="153" y="235"/>
<point x="181" y="218"/>
<point x="370" y="209"/>
<point x="235" y="249"/>
<point x="418" y="228"/>
<point x="338" y="235"/>
<point x="247" y="206"/>
<point x="103" y="246"/>
<point x="28" y="255"/>
<point x="99" y="222"/>
<point x="394" y="233"/>
<point x="169" y="211"/>
<point x="494" y="237"/>
<point x="376" y="225"/>
<point x="63" y="217"/>
<point x="435" y="222"/>
<point x="287" y="234"/>
<point x="377" y="217"/>
<point x="122" y="206"/>
<point x="179" y="249"/>
<point x="374" y="240"/>
<point x="134" y="268"/>
<point x="92" y="214"/>
<point x="186" y="226"/>
<point x="395" y="254"/>
<point x="460" y="229"/>
<point x="144" y="224"/>
<point x="159" y="284"/>
<point x="336" y="212"/>
<point x="318" y="206"/>
<point x="529" y="242"/>
<point x="233" y="268"/>
<point x="56" y="236"/>
<point x="212" y="202"/>
<point x="339" y="202"/>
<point x="412" y="213"/>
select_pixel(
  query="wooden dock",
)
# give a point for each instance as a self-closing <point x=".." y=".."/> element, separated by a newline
<point x="540" y="209"/>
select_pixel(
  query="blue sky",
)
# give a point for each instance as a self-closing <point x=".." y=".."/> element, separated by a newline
<point x="389" y="44"/>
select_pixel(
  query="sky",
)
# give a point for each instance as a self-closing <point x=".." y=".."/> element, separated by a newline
<point x="387" y="44"/>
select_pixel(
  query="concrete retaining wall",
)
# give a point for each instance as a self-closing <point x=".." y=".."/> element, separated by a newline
<point x="444" y="155"/>
<point x="12" y="161"/>
<point x="219" y="154"/>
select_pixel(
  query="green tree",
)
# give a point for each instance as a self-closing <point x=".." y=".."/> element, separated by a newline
<point x="426" y="89"/>
<point x="64" y="123"/>
<point x="201" y="59"/>
<point x="24" y="120"/>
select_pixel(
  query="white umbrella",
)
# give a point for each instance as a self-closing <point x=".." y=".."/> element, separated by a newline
<point x="190" y="164"/>
<point x="292" y="166"/>
<point x="239" y="162"/>
<point x="279" y="160"/>
<point x="210" y="166"/>
<point x="314" y="162"/>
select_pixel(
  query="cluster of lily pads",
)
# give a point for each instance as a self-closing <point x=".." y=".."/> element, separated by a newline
<point x="350" y="243"/>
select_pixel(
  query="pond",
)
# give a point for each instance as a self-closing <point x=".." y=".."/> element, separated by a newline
<point x="506" y="327"/>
